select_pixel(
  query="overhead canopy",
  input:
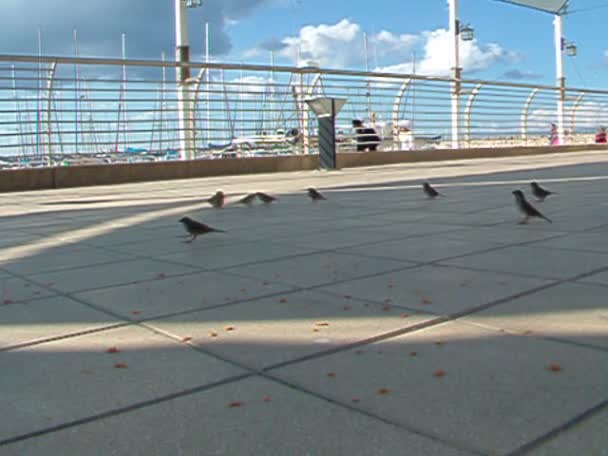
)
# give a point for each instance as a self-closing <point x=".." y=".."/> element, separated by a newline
<point x="550" y="6"/>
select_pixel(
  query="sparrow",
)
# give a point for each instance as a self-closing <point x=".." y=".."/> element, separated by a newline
<point x="195" y="228"/>
<point x="315" y="195"/>
<point x="527" y="208"/>
<point x="430" y="191"/>
<point x="539" y="192"/>
<point x="266" y="199"/>
<point x="217" y="200"/>
<point x="248" y="200"/>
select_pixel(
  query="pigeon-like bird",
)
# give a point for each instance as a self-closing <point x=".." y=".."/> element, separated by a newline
<point x="217" y="200"/>
<point x="539" y="192"/>
<point x="430" y="191"/>
<point x="527" y="209"/>
<point x="315" y="195"/>
<point x="266" y="199"/>
<point x="195" y="228"/>
<point x="248" y="200"/>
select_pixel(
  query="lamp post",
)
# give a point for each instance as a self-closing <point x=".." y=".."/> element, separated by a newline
<point x="466" y="33"/>
<point x="570" y="49"/>
<point x="184" y="100"/>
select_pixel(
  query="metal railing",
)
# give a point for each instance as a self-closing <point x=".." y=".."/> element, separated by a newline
<point x="56" y="110"/>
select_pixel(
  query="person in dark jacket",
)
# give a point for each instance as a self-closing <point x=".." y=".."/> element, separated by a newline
<point x="367" y="138"/>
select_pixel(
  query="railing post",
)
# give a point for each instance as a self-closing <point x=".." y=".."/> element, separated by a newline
<point x="524" y="115"/>
<point x="467" y="112"/>
<point x="397" y="107"/>
<point x="49" y="105"/>
<point x="575" y="106"/>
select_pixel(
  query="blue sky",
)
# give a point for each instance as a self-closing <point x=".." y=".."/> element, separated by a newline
<point x="512" y="43"/>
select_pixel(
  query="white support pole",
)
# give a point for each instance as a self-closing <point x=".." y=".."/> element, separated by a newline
<point x="455" y="95"/>
<point x="184" y="102"/>
<point x="561" y="80"/>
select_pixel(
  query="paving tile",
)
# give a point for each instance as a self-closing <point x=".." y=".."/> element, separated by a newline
<point x="108" y="275"/>
<point x="434" y="248"/>
<point x="535" y="262"/>
<point x="491" y="390"/>
<point x="265" y="411"/>
<point x="319" y="268"/>
<point x="230" y="255"/>
<point x="14" y="290"/>
<point x="437" y="289"/>
<point x="59" y="258"/>
<point x="275" y="330"/>
<point x="178" y="294"/>
<point x="588" y="436"/>
<point x="568" y="311"/>
<point x="27" y="322"/>
<point x="76" y="378"/>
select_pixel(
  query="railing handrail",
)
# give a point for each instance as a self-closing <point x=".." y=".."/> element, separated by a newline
<point x="24" y="58"/>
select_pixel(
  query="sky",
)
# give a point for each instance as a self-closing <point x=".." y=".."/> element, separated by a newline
<point x="511" y="43"/>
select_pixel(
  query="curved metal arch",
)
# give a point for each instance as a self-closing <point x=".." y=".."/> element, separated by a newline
<point x="49" y="104"/>
<point x="196" y="96"/>
<point x="397" y="105"/>
<point x="524" y="114"/>
<point x="575" y="106"/>
<point x="467" y="112"/>
<point x="316" y="81"/>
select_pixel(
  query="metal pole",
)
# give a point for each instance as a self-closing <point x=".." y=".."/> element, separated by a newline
<point x="184" y="103"/>
<point x="455" y="96"/>
<point x="561" y="80"/>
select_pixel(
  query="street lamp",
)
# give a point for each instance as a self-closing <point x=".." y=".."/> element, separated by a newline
<point x="467" y="33"/>
<point x="182" y="56"/>
<point x="571" y="49"/>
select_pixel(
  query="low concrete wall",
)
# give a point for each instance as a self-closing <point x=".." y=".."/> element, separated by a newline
<point x="16" y="180"/>
<point x="355" y="159"/>
<point x="81" y="176"/>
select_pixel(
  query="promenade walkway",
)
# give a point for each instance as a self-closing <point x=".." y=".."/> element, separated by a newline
<point x="374" y="323"/>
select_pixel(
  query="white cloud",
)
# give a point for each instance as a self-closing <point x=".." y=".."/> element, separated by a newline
<point x="341" y="45"/>
<point x="437" y="59"/>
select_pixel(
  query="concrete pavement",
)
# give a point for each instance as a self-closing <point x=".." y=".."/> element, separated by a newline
<point x="375" y="323"/>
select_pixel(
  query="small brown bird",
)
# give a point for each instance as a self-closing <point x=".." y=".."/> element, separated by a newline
<point x="248" y="200"/>
<point x="266" y="199"/>
<point x="217" y="200"/>
<point x="315" y="195"/>
<point x="527" y="209"/>
<point x="195" y="228"/>
<point x="539" y="192"/>
<point x="430" y="191"/>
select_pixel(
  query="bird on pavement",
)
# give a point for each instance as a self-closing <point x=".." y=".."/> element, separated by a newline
<point x="248" y="200"/>
<point x="430" y="191"/>
<point x="539" y="192"/>
<point x="217" y="200"/>
<point x="315" y="195"/>
<point x="527" y="209"/>
<point x="266" y="199"/>
<point x="195" y="228"/>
